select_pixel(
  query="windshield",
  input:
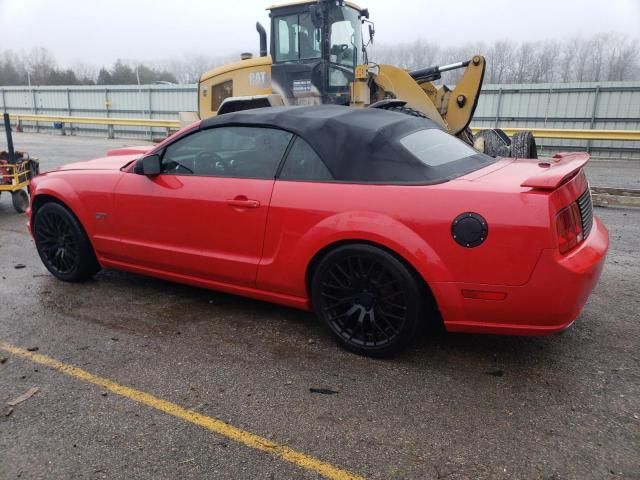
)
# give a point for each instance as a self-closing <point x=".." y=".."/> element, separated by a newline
<point x="345" y="36"/>
<point x="297" y="38"/>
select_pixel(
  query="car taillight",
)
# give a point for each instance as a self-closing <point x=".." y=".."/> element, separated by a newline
<point x="569" y="226"/>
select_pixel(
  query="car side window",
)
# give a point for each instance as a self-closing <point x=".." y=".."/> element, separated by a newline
<point x="303" y="163"/>
<point x="241" y="152"/>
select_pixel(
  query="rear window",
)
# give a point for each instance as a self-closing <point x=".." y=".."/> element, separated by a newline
<point x="434" y="147"/>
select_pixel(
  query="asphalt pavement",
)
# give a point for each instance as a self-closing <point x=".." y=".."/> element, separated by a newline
<point x="454" y="406"/>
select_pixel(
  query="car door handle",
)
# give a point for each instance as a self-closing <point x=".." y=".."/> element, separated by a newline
<point x="243" y="202"/>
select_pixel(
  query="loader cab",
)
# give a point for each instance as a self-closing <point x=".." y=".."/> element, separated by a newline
<point x="315" y="48"/>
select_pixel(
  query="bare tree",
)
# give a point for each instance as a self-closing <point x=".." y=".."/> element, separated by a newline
<point x="85" y="73"/>
<point x="597" y="47"/>
<point x="601" y="57"/>
<point x="40" y="65"/>
<point x="542" y="65"/>
<point x="499" y="60"/>
<point x="597" y="58"/>
<point x="622" y="59"/>
<point x="568" y="56"/>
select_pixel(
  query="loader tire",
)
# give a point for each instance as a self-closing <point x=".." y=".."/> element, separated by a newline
<point x="494" y="142"/>
<point x="402" y="109"/>
<point x="523" y="145"/>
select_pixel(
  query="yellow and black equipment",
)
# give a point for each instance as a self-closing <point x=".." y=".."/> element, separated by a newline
<point x="317" y="55"/>
<point x="16" y="169"/>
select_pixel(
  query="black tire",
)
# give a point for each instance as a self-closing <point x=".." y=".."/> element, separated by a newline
<point x="496" y="142"/>
<point x="34" y="168"/>
<point x="20" y="200"/>
<point x="523" y="145"/>
<point x="370" y="301"/>
<point x="62" y="244"/>
<point x="402" y="109"/>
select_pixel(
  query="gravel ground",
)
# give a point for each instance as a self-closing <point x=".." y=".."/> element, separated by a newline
<point x="454" y="406"/>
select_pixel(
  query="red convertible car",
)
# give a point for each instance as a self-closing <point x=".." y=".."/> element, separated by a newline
<point x="377" y="221"/>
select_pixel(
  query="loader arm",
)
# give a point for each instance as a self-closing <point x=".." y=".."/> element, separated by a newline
<point x="463" y="100"/>
<point x="394" y="82"/>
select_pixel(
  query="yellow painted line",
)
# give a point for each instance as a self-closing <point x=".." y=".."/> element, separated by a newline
<point x="210" y="423"/>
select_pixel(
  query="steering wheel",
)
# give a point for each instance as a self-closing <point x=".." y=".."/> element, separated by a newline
<point x="209" y="163"/>
<point x="338" y="49"/>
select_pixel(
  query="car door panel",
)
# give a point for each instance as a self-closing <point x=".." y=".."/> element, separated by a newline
<point x="194" y="225"/>
<point x="206" y="215"/>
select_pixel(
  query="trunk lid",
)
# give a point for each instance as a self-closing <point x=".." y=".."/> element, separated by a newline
<point x="547" y="174"/>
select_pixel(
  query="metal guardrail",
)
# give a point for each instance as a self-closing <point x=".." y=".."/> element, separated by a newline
<point x="131" y="122"/>
<point x="574" y="133"/>
<point x="110" y="122"/>
<point x="623" y="197"/>
<point x="564" y="133"/>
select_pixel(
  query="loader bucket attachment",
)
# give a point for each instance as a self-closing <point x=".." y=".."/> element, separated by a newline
<point x="464" y="98"/>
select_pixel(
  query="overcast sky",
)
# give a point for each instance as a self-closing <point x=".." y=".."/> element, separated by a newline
<point x="100" y="31"/>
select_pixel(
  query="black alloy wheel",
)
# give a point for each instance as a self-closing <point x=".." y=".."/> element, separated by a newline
<point x="368" y="298"/>
<point x="62" y="244"/>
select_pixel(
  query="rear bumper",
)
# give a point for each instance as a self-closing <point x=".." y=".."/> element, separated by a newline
<point x="548" y="303"/>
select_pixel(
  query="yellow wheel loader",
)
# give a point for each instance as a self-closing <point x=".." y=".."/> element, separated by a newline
<point x="317" y="55"/>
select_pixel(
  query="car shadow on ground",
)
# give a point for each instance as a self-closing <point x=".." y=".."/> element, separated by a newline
<point x="149" y="306"/>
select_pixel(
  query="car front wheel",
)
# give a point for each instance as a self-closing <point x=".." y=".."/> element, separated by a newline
<point x="62" y="244"/>
<point x="368" y="298"/>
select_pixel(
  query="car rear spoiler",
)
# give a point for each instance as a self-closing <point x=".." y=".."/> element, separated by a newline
<point x="129" y="150"/>
<point x="557" y="171"/>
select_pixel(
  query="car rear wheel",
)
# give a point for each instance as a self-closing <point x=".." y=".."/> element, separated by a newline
<point x="368" y="299"/>
<point x="62" y="244"/>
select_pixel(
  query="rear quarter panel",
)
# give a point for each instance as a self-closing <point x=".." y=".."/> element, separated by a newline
<point x="413" y="221"/>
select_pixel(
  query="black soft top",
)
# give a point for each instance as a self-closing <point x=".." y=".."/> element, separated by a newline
<point x="356" y="144"/>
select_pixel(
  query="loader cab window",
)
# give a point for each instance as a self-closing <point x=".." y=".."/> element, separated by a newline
<point x="296" y="38"/>
<point x="219" y="93"/>
<point x="345" y="37"/>
<point x="345" y="50"/>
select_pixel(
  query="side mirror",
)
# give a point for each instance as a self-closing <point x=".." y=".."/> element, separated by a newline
<point x="149" y="165"/>
<point x="372" y="32"/>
